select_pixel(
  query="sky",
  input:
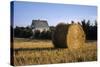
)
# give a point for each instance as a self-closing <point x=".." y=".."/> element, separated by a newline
<point x="25" y="12"/>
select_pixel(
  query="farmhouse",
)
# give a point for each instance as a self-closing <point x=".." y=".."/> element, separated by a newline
<point x="40" y="25"/>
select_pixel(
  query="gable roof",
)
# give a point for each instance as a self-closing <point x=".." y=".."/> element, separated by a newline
<point x="39" y="24"/>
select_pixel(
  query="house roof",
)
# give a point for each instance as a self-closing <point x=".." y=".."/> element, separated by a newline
<point x="39" y="24"/>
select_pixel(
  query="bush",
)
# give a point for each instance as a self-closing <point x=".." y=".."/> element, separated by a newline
<point x="23" y="32"/>
<point x="37" y="34"/>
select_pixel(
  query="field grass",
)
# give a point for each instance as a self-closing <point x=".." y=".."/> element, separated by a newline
<point x="28" y="52"/>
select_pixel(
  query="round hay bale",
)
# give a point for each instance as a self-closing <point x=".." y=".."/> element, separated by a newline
<point x="59" y="35"/>
<point x="75" y="37"/>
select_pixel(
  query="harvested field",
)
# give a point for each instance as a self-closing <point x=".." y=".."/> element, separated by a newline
<point x="28" y="52"/>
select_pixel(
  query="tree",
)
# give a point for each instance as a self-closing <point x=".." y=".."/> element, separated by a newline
<point x="22" y="32"/>
<point x="90" y="31"/>
<point x="37" y="34"/>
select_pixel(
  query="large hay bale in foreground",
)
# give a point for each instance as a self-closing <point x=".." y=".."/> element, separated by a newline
<point x="68" y="35"/>
<point x="75" y="37"/>
<point x="59" y="35"/>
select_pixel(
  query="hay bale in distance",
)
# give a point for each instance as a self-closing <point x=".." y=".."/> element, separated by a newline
<point x="75" y="37"/>
<point x="59" y="35"/>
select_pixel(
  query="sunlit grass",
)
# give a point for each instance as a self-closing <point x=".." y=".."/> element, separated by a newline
<point x="42" y="52"/>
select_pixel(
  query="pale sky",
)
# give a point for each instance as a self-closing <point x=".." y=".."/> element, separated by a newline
<point x="25" y="12"/>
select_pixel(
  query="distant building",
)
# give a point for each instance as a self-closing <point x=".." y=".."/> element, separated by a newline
<point x="40" y="25"/>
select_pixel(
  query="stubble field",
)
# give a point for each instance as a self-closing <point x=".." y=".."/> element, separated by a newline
<point x="28" y="52"/>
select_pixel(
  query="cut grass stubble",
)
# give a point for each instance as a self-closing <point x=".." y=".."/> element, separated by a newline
<point x="45" y="53"/>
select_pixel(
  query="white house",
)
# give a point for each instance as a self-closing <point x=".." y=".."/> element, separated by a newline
<point x="40" y="25"/>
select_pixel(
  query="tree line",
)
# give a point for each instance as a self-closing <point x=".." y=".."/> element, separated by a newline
<point x="90" y="30"/>
<point x="22" y="32"/>
<point x="26" y="32"/>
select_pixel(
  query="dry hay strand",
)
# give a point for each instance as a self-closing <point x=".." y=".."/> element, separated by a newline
<point x="59" y="35"/>
<point x="75" y="37"/>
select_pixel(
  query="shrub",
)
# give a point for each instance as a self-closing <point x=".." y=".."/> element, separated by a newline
<point x="23" y="32"/>
<point x="36" y="34"/>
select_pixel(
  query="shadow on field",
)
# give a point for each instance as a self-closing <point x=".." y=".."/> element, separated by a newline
<point x="90" y="41"/>
<point x="36" y="49"/>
